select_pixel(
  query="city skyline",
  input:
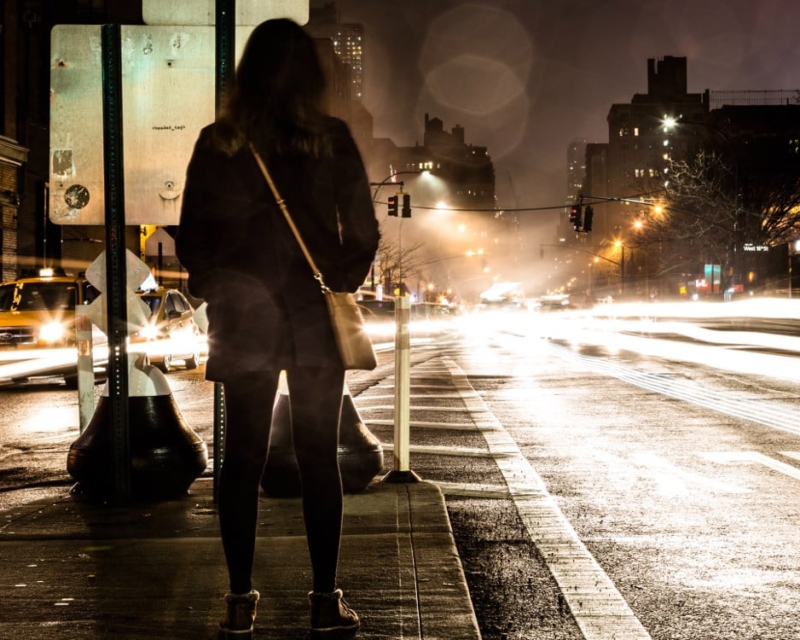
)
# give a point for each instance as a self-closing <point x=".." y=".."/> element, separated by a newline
<point x="526" y="79"/>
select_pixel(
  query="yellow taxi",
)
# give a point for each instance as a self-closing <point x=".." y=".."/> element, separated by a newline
<point x="39" y="312"/>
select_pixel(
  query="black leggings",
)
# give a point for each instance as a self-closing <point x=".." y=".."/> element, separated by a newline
<point x="315" y="400"/>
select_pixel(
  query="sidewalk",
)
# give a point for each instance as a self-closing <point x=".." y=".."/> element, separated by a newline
<point x="77" y="570"/>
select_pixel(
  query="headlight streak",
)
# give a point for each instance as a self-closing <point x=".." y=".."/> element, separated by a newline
<point x="725" y="350"/>
<point x="737" y="404"/>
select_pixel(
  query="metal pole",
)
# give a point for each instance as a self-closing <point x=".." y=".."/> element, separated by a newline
<point x="402" y="395"/>
<point x="160" y="264"/>
<point x="116" y="301"/>
<point x="225" y="34"/>
<point x="219" y="432"/>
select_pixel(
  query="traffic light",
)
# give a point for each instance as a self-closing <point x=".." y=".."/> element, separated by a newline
<point x="575" y="216"/>
<point x="587" y="218"/>
<point x="393" y="205"/>
<point x="406" y="205"/>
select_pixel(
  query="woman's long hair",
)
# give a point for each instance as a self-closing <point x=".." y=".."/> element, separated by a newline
<point x="276" y="100"/>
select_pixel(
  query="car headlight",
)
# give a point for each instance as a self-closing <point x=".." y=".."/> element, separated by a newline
<point x="52" y="332"/>
<point x="149" y="332"/>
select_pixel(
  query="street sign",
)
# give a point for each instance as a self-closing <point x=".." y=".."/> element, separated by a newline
<point x="168" y="78"/>
<point x="202" y="12"/>
<point x="137" y="273"/>
<point x="76" y="116"/>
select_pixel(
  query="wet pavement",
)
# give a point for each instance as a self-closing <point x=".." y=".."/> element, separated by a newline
<point x="77" y="569"/>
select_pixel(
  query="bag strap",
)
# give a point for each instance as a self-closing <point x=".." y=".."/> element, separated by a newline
<point x="284" y="209"/>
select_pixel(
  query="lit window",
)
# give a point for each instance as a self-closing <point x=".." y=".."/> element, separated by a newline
<point x="636" y="131"/>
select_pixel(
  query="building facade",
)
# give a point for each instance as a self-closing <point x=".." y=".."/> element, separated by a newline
<point x="467" y="169"/>
<point x="757" y="138"/>
<point x="638" y="151"/>
<point x="347" y="40"/>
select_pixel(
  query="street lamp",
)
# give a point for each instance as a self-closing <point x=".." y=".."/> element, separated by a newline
<point x="390" y="179"/>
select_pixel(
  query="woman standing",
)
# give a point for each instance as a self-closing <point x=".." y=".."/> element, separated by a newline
<point x="266" y="312"/>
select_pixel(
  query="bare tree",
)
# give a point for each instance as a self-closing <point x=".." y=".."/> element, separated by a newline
<point x="715" y="208"/>
<point x="397" y="262"/>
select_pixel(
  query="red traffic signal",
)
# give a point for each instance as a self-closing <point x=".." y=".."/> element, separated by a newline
<point x="392" y="205"/>
<point x="575" y="216"/>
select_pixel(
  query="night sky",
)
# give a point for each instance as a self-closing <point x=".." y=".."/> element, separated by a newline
<point x="526" y="77"/>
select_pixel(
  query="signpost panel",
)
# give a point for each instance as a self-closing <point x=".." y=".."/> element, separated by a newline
<point x="168" y="96"/>
<point x="202" y="12"/>
<point x="76" y="126"/>
<point x="168" y="78"/>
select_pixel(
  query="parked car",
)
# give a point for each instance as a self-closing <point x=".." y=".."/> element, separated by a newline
<point x="432" y="311"/>
<point x="170" y="333"/>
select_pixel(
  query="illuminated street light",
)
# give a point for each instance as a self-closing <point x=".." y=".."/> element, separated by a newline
<point x="390" y="180"/>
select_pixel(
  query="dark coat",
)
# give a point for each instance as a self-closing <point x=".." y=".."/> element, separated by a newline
<point x="265" y="308"/>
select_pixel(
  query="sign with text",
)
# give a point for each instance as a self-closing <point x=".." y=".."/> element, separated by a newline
<point x="203" y="12"/>
<point x="168" y="80"/>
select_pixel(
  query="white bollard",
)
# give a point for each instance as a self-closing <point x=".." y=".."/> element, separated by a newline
<point x="402" y="395"/>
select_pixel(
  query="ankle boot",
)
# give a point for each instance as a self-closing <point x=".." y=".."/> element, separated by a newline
<point x="331" y="617"/>
<point x="239" y="616"/>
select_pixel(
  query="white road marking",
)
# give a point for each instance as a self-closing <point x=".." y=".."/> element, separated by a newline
<point x="433" y="396"/>
<point x="420" y="407"/>
<point x="753" y="457"/>
<point x="455" y="426"/>
<point x="673" y="480"/>
<point x="467" y="490"/>
<point x="465" y="452"/>
<point x="597" y="606"/>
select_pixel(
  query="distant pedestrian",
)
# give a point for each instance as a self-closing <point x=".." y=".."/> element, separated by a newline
<point x="265" y="310"/>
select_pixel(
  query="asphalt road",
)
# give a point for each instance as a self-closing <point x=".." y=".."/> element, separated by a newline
<point x="595" y="490"/>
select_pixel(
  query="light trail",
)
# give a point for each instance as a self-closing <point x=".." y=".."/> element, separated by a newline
<point x="737" y="404"/>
